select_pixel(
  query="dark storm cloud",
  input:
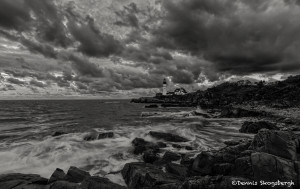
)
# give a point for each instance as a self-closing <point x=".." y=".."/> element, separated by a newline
<point x="35" y="47"/>
<point x="15" y="81"/>
<point x="14" y="14"/>
<point x="92" y="41"/>
<point x="238" y="37"/>
<point x="128" y="16"/>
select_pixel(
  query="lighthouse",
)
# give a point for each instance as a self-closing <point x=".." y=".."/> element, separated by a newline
<point x="164" y="87"/>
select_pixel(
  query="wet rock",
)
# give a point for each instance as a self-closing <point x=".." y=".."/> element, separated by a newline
<point x="239" y="112"/>
<point x="95" y="182"/>
<point x="76" y="175"/>
<point x="232" y="142"/>
<point x="268" y="167"/>
<point x="105" y="135"/>
<point x="171" y="156"/>
<point x="176" y="146"/>
<point x="150" y="156"/>
<point x="177" y="169"/>
<point x="188" y="148"/>
<point x="58" y="174"/>
<point x="187" y="160"/>
<point x="58" y="133"/>
<point x="204" y="162"/>
<point x="141" y="175"/>
<point x="140" y="146"/>
<point x="254" y="127"/>
<point x="161" y="144"/>
<point x="98" y="136"/>
<point x="279" y="143"/>
<point x="17" y="180"/>
<point x="64" y="185"/>
<point x="222" y="168"/>
<point x="91" y="136"/>
<point x="167" y="136"/>
<point x="214" y="182"/>
<point x="243" y="167"/>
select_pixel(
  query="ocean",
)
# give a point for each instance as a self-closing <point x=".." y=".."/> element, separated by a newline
<point x="27" y="126"/>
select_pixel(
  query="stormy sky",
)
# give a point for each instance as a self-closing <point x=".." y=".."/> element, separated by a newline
<point x="124" y="48"/>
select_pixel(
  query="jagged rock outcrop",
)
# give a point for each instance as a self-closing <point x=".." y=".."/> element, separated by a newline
<point x="254" y="127"/>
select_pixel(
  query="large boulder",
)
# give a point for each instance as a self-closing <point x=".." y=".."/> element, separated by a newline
<point x="64" y="185"/>
<point x="268" y="167"/>
<point x="204" y="162"/>
<point x="177" y="169"/>
<point x="254" y="127"/>
<point x="279" y="143"/>
<point x="95" y="182"/>
<point x="167" y="136"/>
<point x="141" y="145"/>
<point x="17" y="180"/>
<point x="105" y="135"/>
<point x="141" y="175"/>
<point x="58" y="174"/>
<point x="76" y="175"/>
<point x="171" y="156"/>
<point x="150" y="156"/>
<point x="243" y="167"/>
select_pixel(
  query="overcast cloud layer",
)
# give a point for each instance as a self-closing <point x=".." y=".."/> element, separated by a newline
<point x="112" y="47"/>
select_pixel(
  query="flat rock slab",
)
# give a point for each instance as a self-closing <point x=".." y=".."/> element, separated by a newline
<point x="167" y="136"/>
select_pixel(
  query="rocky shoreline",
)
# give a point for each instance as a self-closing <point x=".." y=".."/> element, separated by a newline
<point x="272" y="155"/>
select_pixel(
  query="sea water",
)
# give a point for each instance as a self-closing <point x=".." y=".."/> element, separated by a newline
<point x="27" y="126"/>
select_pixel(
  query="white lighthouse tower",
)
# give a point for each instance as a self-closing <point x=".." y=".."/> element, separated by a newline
<point x="164" y="87"/>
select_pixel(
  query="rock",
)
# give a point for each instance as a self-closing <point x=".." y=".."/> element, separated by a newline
<point x="222" y="168"/>
<point x="105" y="135"/>
<point x="177" y="169"/>
<point x="97" y="136"/>
<point x="243" y="167"/>
<point x="204" y="162"/>
<point x="232" y="142"/>
<point x="58" y="174"/>
<point x="214" y="182"/>
<point x="239" y="112"/>
<point x="167" y="136"/>
<point x="91" y="136"/>
<point x="140" y="145"/>
<point x="279" y="143"/>
<point x="152" y="106"/>
<point x="188" y="148"/>
<point x="161" y="144"/>
<point x="58" y="133"/>
<point x="64" y="185"/>
<point x="254" y="127"/>
<point x="176" y="146"/>
<point x="17" y="180"/>
<point x="187" y="160"/>
<point x="76" y="175"/>
<point x="141" y="175"/>
<point x="150" y="156"/>
<point x="268" y="167"/>
<point x="95" y="182"/>
<point x="171" y="156"/>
